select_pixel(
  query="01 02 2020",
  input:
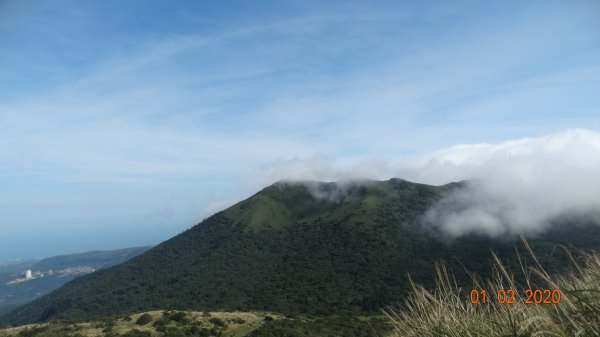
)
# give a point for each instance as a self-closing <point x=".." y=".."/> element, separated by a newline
<point x="511" y="296"/>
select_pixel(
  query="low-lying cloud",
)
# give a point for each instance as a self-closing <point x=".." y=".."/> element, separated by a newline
<point x="514" y="186"/>
<point x="517" y="186"/>
<point x="336" y="192"/>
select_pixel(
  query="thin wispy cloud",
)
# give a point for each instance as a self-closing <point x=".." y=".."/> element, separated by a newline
<point x="207" y="103"/>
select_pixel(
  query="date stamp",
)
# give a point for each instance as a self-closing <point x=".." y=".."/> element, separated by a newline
<point x="510" y="296"/>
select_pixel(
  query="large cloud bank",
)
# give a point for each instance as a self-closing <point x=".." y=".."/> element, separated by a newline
<point x="515" y="186"/>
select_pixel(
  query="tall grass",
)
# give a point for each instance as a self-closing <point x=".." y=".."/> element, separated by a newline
<point x="447" y="310"/>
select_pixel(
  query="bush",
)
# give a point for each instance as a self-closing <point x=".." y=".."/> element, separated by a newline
<point x="238" y="320"/>
<point x="218" y="322"/>
<point x="179" y="316"/>
<point x="137" y="333"/>
<point x="144" y="319"/>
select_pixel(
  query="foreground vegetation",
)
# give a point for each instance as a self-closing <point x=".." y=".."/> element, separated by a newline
<point x="209" y="324"/>
<point x="448" y="311"/>
<point x="155" y="323"/>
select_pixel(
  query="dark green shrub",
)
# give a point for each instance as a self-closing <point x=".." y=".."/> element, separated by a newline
<point x="179" y="317"/>
<point x="144" y="319"/>
<point x="238" y="320"/>
<point x="137" y="333"/>
<point x="218" y="322"/>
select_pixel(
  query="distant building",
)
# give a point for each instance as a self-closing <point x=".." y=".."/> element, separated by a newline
<point x="28" y="274"/>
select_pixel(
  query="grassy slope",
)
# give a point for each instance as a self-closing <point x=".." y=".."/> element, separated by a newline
<point x="236" y="324"/>
<point x="227" y="324"/>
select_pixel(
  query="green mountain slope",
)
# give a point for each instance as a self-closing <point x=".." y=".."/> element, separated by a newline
<point x="347" y="252"/>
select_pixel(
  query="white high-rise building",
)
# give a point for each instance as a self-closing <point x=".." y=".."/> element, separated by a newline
<point x="28" y="274"/>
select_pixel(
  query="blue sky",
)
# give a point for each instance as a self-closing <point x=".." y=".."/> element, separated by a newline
<point x="125" y="122"/>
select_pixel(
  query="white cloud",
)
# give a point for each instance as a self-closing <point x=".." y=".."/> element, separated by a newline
<point x="519" y="185"/>
<point x="515" y="186"/>
<point x="205" y="107"/>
